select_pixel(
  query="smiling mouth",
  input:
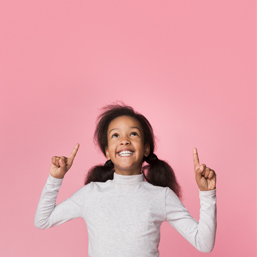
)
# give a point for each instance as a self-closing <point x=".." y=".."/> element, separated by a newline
<point x="125" y="153"/>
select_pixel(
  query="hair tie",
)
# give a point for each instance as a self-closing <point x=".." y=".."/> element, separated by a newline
<point x="151" y="157"/>
<point x="109" y="163"/>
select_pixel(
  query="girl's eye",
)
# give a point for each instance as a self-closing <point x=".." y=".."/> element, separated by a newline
<point x="115" y="135"/>
<point x="134" y="134"/>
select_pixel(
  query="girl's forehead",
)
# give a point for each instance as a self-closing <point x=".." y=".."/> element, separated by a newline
<point x="124" y="122"/>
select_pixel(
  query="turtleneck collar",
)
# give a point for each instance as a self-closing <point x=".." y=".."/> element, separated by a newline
<point x="128" y="179"/>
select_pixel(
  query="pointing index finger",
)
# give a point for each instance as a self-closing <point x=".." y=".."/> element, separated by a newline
<point x="195" y="157"/>
<point x="73" y="153"/>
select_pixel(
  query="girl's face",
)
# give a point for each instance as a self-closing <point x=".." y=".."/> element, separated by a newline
<point x="126" y="146"/>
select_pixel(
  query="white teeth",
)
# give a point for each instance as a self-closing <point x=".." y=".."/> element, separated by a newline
<point x="125" y="153"/>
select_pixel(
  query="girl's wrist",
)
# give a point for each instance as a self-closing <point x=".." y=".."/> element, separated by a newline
<point x="56" y="177"/>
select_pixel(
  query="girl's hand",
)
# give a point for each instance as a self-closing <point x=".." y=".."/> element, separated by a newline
<point x="60" y="165"/>
<point x="204" y="176"/>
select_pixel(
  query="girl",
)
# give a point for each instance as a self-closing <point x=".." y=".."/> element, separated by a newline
<point x="123" y="212"/>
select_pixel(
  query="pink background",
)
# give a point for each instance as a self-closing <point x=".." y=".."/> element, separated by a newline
<point x="188" y="66"/>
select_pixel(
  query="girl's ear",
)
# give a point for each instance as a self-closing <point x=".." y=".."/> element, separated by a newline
<point x="147" y="149"/>
<point x="107" y="153"/>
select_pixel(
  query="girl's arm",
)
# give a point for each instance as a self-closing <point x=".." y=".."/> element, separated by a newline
<point x="48" y="214"/>
<point x="201" y="235"/>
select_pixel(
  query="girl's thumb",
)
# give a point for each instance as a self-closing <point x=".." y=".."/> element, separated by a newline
<point x="62" y="165"/>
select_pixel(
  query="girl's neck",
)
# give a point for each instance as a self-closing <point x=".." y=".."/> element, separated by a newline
<point x="127" y="172"/>
<point x="130" y="179"/>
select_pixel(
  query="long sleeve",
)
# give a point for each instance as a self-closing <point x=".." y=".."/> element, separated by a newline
<point x="49" y="214"/>
<point x="201" y="235"/>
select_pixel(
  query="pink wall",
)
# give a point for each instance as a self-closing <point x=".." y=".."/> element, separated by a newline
<point x="188" y="66"/>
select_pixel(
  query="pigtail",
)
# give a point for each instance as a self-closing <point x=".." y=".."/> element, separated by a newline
<point x="160" y="173"/>
<point x="100" y="173"/>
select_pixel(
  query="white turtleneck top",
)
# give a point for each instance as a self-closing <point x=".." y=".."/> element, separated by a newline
<point x="124" y="215"/>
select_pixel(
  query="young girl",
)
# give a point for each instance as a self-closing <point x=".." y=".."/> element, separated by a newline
<point x="123" y="212"/>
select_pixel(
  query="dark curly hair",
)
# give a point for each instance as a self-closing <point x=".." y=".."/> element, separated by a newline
<point x="159" y="172"/>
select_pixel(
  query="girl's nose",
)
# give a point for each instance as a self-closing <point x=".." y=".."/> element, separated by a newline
<point x="124" y="141"/>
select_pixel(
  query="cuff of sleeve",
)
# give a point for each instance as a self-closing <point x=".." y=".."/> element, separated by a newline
<point x="207" y="193"/>
<point x="54" y="180"/>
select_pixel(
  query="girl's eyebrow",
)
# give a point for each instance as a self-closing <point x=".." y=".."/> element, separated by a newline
<point x="112" y="130"/>
<point x="136" y="128"/>
<point x="118" y="129"/>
